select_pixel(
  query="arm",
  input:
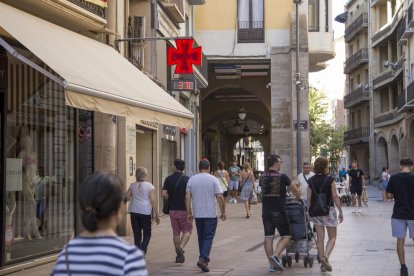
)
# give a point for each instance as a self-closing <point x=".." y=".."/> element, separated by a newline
<point x="363" y="181"/>
<point x="165" y="194"/>
<point x="253" y="181"/>
<point x="128" y="194"/>
<point x="226" y="174"/>
<point x="335" y="198"/>
<point x="295" y="190"/>
<point x="154" y="206"/>
<point x="220" y="200"/>
<point x="188" y="206"/>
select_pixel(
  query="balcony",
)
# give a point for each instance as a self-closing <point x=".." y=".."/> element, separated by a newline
<point x="405" y="101"/>
<point x="409" y="16"/>
<point x="250" y="32"/>
<point x="90" y="7"/>
<point x="388" y="29"/>
<point x="387" y="118"/>
<point x="386" y="77"/>
<point x="360" y="95"/>
<point x="355" y="28"/>
<point x="196" y="2"/>
<point x="401" y="30"/>
<point x="376" y="2"/>
<point x="356" y="61"/>
<point x="175" y="9"/>
<point x="357" y="135"/>
<point x="401" y="101"/>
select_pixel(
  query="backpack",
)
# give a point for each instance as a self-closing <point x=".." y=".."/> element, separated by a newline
<point x="319" y="205"/>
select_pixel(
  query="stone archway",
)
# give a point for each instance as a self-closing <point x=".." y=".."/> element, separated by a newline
<point x="382" y="155"/>
<point x="394" y="155"/>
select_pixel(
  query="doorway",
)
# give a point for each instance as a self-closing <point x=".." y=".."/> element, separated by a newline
<point x="145" y="150"/>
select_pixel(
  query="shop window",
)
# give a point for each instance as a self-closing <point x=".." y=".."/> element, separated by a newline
<point x="41" y="138"/>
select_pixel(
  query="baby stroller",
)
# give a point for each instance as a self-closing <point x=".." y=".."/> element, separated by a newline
<point x="344" y="195"/>
<point x="302" y="235"/>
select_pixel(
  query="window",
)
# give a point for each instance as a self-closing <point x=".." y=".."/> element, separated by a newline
<point x="327" y="15"/>
<point x="250" y="21"/>
<point x="313" y="16"/>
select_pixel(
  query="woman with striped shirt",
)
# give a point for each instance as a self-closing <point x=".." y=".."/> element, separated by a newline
<point x="98" y="250"/>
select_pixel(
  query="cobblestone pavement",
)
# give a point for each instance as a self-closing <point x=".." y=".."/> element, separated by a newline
<point x="364" y="246"/>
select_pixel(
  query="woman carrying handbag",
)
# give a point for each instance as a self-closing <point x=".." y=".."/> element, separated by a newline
<point x="248" y="187"/>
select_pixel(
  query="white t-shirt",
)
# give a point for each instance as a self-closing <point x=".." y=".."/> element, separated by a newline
<point x="140" y="200"/>
<point x="203" y="188"/>
<point x="303" y="185"/>
<point x="385" y="176"/>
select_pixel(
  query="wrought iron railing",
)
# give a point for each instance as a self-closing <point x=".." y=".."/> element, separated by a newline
<point x="383" y="77"/>
<point x="358" y="95"/>
<point x="250" y="32"/>
<point x="90" y="7"/>
<point x="356" y="135"/>
<point x="410" y="14"/>
<point x="386" y="118"/>
<point x="410" y="92"/>
<point x="387" y="31"/>
<point x="401" y="29"/>
<point x="356" y="26"/>
<point x="356" y="60"/>
<point x="401" y="100"/>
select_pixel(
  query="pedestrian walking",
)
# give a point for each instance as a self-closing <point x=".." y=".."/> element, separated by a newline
<point x="173" y="191"/>
<point x="356" y="185"/>
<point x="323" y="186"/>
<point x="274" y="215"/>
<point x="385" y="177"/>
<point x="98" y="250"/>
<point x="342" y="173"/>
<point x="303" y="179"/>
<point x="401" y="186"/>
<point x="248" y="187"/>
<point x="142" y="208"/>
<point x="224" y="179"/>
<point x="234" y="181"/>
<point x="203" y="190"/>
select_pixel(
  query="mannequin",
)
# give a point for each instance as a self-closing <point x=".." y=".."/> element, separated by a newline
<point x="29" y="159"/>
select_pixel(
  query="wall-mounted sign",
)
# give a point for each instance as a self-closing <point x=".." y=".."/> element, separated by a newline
<point x="131" y="166"/>
<point x="14" y="174"/>
<point x="131" y="140"/>
<point x="303" y="124"/>
<point x="183" y="85"/>
<point x="148" y="124"/>
<point x="169" y="130"/>
<point x="184" y="56"/>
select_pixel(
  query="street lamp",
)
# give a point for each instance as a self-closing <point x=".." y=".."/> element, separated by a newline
<point x="298" y="83"/>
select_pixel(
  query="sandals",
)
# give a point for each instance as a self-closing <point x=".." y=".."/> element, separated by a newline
<point x="326" y="264"/>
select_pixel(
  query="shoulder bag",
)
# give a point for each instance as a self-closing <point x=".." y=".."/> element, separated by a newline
<point x="224" y="182"/>
<point x="319" y="205"/>
<point x="166" y="207"/>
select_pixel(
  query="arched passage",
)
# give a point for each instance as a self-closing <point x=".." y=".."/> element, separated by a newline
<point x="394" y="155"/>
<point x="381" y="154"/>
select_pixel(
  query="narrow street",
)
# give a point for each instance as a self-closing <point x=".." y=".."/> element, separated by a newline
<point x="364" y="246"/>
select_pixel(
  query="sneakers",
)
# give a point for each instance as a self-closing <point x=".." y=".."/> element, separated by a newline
<point x="235" y="201"/>
<point x="180" y="255"/>
<point x="326" y="264"/>
<point x="203" y="265"/>
<point x="359" y="210"/>
<point x="323" y="268"/>
<point x="404" y="270"/>
<point x="277" y="263"/>
<point x="355" y="210"/>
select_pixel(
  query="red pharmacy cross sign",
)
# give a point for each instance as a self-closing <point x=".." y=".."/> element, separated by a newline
<point x="184" y="56"/>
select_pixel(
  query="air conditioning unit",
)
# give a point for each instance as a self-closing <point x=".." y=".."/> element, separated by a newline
<point x="139" y="26"/>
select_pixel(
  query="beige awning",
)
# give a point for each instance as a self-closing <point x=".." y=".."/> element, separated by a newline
<point x="96" y="77"/>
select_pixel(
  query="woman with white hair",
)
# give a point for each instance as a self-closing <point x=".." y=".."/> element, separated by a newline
<point x="141" y="194"/>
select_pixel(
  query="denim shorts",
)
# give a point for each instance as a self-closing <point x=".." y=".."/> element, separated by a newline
<point x="399" y="228"/>
<point x="234" y="185"/>
<point x="179" y="222"/>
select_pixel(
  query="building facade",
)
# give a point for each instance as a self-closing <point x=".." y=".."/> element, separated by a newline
<point x="77" y="98"/>
<point x="251" y="55"/>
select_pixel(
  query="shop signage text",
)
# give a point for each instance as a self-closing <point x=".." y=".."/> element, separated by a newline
<point x="169" y="130"/>
<point x="148" y="124"/>
<point x="303" y="124"/>
<point x="183" y="85"/>
<point x="14" y="174"/>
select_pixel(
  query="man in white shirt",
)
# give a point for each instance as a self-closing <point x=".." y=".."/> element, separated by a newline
<point x="303" y="181"/>
<point x="202" y="191"/>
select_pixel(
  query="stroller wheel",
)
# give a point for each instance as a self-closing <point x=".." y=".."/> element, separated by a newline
<point x="297" y="257"/>
<point x="284" y="261"/>
<point x="310" y="261"/>
<point x="289" y="261"/>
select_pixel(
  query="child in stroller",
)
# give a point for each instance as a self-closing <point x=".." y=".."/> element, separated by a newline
<point x="343" y="191"/>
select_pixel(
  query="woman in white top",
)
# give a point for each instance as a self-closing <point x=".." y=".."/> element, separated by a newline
<point x="141" y="194"/>
<point x="224" y="179"/>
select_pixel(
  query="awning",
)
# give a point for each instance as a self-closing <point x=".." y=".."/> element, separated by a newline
<point x="96" y="77"/>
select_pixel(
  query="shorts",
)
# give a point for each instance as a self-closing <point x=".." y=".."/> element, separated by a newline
<point x="234" y="185"/>
<point x="384" y="184"/>
<point x="276" y="220"/>
<point x="399" y="228"/>
<point x="179" y="222"/>
<point x="356" y="189"/>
